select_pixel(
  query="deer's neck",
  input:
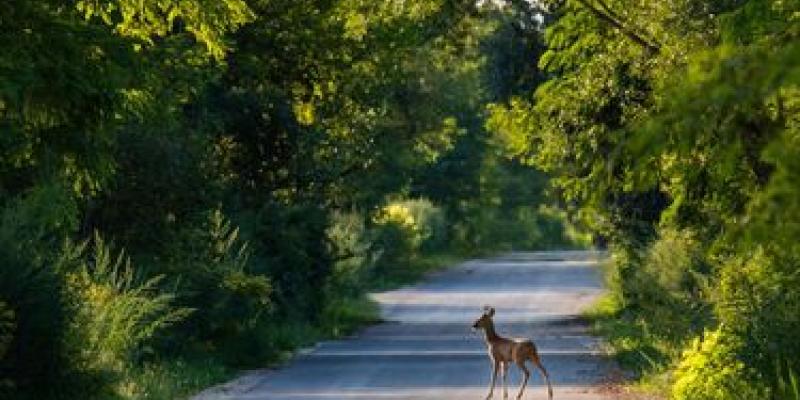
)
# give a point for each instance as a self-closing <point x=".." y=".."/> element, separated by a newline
<point x="491" y="334"/>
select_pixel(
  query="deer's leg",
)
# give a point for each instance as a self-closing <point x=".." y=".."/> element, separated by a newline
<point x="525" y="375"/>
<point x="538" y="363"/>
<point x="495" y="367"/>
<point x="505" y="366"/>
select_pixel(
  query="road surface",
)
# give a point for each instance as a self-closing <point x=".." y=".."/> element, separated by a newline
<point x="426" y="349"/>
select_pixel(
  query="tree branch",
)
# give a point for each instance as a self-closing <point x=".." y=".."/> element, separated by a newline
<point x="609" y="17"/>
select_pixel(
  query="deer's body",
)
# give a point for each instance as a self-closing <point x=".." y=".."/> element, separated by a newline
<point x="503" y="351"/>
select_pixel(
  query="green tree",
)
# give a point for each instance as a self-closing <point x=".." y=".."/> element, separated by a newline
<point x="669" y="115"/>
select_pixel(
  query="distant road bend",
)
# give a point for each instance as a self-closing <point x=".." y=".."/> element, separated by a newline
<point x="426" y="349"/>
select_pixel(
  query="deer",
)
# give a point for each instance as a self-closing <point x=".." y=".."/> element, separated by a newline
<point x="503" y="351"/>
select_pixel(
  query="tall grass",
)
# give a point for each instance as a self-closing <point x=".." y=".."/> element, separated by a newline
<point x="115" y="314"/>
<point x="788" y="383"/>
<point x="172" y="379"/>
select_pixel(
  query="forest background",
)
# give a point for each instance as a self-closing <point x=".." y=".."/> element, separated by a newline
<point x="191" y="187"/>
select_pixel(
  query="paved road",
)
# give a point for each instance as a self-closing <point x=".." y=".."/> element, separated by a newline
<point x="426" y="349"/>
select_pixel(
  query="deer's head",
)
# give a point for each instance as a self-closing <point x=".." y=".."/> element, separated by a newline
<point x="485" y="319"/>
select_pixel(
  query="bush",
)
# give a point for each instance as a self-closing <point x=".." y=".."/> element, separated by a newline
<point x="757" y="298"/>
<point x="710" y="369"/>
<point x="414" y="225"/>
<point x="788" y="383"/>
<point x="290" y="246"/>
<point x="342" y="315"/>
<point x="519" y="228"/>
<point x="658" y="300"/>
<point x="353" y="253"/>
<point x="670" y="293"/>
<point x="213" y="270"/>
<point x="667" y="289"/>
<point x="114" y="315"/>
<point x="430" y="224"/>
<point x="33" y="362"/>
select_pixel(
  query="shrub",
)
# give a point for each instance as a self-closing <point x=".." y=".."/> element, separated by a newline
<point x="33" y="360"/>
<point x="410" y="226"/>
<point x="353" y="254"/>
<point x="710" y="369"/>
<point x="34" y="313"/>
<point x="669" y="286"/>
<point x="658" y="300"/>
<point x="518" y="228"/>
<point x="343" y="315"/>
<point x="757" y="298"/>
<point x="212" y="268"/>
<point x="430" y="224"/>
<point x="114" y="313"/>
<point x="290" y="246"/>
<point x="395" y="244"/>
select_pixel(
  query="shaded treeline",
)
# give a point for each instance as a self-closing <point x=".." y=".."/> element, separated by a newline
<point x="188" y="186"/>
<point x="672" y="128"/>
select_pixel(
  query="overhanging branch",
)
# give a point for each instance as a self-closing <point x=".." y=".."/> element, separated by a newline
<point x="610" y="17"/>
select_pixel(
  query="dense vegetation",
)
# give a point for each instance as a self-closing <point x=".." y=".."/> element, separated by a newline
<point x="673" y="128"/>
<point x="191" y="186"/>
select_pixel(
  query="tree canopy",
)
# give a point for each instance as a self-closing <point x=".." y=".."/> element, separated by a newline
<point x="680" y="116"/>
<point x="223" y="180"/>
<point x="219" y="181"/>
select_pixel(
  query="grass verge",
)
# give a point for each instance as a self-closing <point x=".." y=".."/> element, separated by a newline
<point x="414" y="269"/>
<point x="171" y="379"/>
<point x="643" y="356"/>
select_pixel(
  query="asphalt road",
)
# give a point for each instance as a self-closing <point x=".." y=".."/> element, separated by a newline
<point x="426" y="349"/>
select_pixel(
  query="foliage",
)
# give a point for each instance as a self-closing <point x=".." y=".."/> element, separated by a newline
<point x="343" y="315"/>
<point x="34" y="310"/>
<point x="7" y="328"/>
<point x="788" y="384"/>
<point x="218" y="281"/>
<point x="146" y="20"/>
<point x="419" y="225"/>
<point x="263" y="164"/>
<point x="754" y="302"/>
<point x="114" y="317"/>
<point x="354" y="253"/>
<point x="528" y="228"/>
<point x="710" y="370"/>
<point x="291" y="248"/>
<point x="172" y="379"/>
<point x="674" y="124"/>
<point x="670" y="288"/>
